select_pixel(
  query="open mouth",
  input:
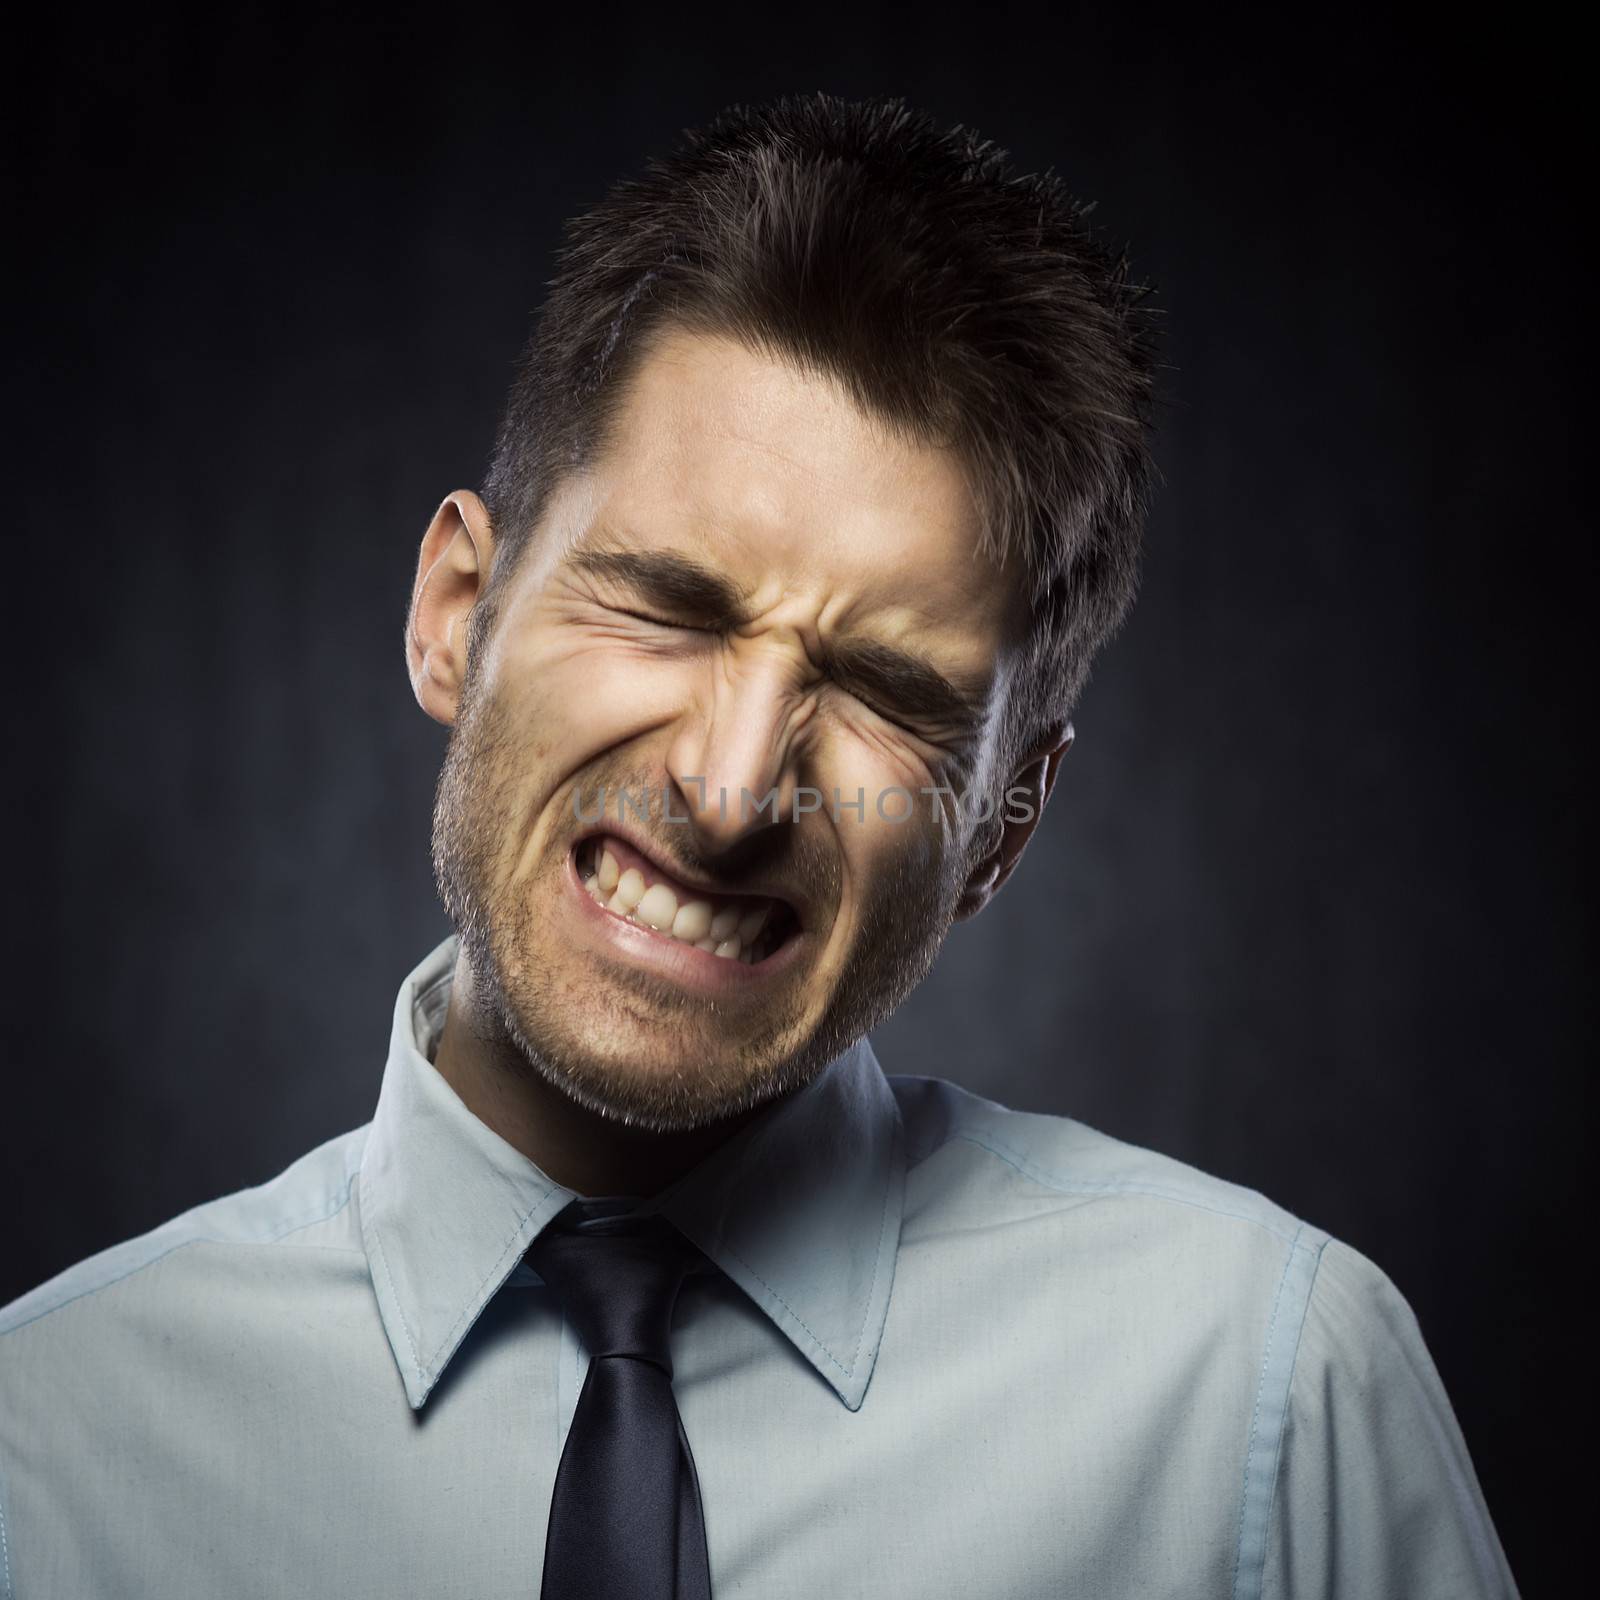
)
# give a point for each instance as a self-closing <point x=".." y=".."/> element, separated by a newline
<point x="744" y="928"/>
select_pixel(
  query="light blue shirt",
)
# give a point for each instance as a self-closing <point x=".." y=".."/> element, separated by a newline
<point x="945" y="1349"/>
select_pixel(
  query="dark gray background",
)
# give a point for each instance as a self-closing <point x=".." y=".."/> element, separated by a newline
<point x="1306" y="908"/>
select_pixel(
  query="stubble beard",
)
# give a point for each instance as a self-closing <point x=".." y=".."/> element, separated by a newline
<point x="534" y="1014"/>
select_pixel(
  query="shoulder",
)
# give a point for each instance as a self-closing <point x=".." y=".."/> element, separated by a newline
<point x="1367" y="1427"/>
<point x="1305" y="1344"/>
<point x="984" y="1153"/>
<point x="1353" y="1296"/>
<point x="1067" y="1222"/>
<point x="1000" y="1164"/>
<point x="1361" y="1347"/>
<point x="314" y="1190"/>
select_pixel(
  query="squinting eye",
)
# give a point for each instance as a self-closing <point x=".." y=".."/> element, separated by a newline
<point x="905" y="725"/>
<point x="660" y="622"/>
<point x="894" y="720"/>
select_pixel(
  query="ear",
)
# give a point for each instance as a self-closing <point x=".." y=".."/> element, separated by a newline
<point x="452" y="569"/>
<point x="1018" y="815"/>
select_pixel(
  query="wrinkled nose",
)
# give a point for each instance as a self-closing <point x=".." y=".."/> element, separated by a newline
<point x="733" y="757"/>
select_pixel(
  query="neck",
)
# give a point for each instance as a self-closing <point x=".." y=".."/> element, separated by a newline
<point x="578" y="1148"/>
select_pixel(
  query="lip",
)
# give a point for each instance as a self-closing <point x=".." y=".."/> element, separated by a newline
<point x="694" y="969"/>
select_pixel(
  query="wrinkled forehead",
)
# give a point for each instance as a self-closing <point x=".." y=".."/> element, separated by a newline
<point x="774" y="475"/>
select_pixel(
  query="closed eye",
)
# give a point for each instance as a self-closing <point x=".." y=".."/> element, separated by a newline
<point x="659" y="622"/>
<point x="897" y="718"/>
<point x="953" y="742"/>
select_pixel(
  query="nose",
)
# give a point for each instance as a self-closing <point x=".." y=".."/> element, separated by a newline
<point x="732" y="757"/>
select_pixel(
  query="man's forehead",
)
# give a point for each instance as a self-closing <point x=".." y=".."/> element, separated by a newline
<point x="719" y="387"/>
<point x="876" y="574"/>
<point x="773" y="476"/>
<point x="741" y="437"/>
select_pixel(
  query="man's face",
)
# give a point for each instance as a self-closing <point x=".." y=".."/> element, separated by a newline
<point x="757" y="598"/>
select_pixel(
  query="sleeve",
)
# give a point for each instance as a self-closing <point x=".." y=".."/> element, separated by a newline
<point x="1376" y="1497"/>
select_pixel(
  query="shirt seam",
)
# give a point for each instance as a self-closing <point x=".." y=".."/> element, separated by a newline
<point x="423" y="996"/>
<point x="329" y="1208"/>
<point x="1259" y="1486"/>
<point x="7" y="1592"/>
<point x="877" y="1271"/>
<point x="476" y="1300"/>
<point x="369" y="1224"/>
<point x="427" y="1372"/>
<point x="815" y="1338"/>
<point x="1031" y="1170"/>
<point x="883" y="1229"/>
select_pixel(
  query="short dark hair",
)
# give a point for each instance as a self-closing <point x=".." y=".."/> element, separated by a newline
<point x="962" y="302"/>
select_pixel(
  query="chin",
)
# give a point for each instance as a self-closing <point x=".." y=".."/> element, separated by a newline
<point x="642" y="1064"/>
<point x="662" y="1099"/>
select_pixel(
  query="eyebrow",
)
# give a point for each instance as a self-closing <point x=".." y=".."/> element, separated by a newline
<point x="672" y="581"/>
<point x="896" y="678"/>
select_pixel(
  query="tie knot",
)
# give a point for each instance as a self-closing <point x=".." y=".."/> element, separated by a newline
<point x="617" y="1280"/>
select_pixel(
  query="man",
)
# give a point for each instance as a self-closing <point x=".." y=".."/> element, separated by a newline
<point x="820" y="484"/>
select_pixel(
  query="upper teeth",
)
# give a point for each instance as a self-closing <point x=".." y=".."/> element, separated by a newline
<point x="729" y="931"/>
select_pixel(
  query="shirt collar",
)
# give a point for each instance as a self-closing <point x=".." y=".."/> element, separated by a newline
<point x="801" y="1208"/>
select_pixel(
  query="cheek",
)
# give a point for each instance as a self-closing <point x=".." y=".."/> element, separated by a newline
<point x="895" y="845"/>
<point x="898" y="878"/>
<point x="572" y="696"/>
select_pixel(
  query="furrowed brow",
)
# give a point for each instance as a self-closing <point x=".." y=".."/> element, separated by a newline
<point x="668" y="580"/>
<point x="901" y="681"/>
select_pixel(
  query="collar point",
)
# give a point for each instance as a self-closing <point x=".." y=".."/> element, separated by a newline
<point x="851" y="1387"/>
<point x="418" y="1387"/>
<point x="852" y="1395"/>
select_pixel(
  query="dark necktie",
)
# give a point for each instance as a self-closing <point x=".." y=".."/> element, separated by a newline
<point x="625" y="1517"/>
